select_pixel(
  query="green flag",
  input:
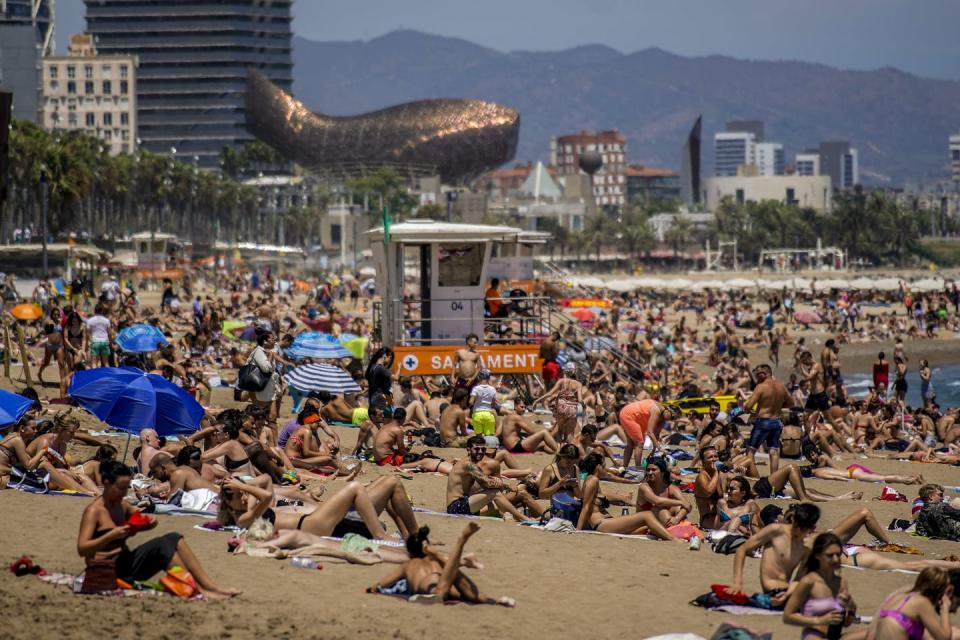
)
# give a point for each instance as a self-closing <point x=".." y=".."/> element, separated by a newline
<point x="387" y="221"/>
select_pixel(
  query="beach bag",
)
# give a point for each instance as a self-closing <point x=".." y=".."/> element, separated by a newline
<point x="565" y="506"/>
<point x="36" y="480"/>
<point x="100" y="576"/>
<point x="729" y="544"/>
<point x="179" y="582"/>
<point x="252" y="378"/>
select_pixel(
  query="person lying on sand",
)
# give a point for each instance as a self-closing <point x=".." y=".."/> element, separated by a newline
<point x="428" y="572"/>
<point x="104" y="530"/>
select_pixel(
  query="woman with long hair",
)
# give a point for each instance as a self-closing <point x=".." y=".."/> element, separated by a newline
<point x="379" y="377"/>
<point x="909" y="612"/>
<point x="821" y="602"/>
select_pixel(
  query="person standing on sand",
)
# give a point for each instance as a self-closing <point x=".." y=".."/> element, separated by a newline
<point x="466" y="365"/>
<point x="881" y="375"/>
<point x="769" y="397"/>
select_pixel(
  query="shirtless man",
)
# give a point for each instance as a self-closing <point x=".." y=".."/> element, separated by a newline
<point x="149" y="447"/>
<point x="369" y="428"/>
<point x="454" y="419"/>
<point x="517" y="497"/>
<point x="337" y="409"/>
<point x="513" y="428"/>
<point x="830" y="361"/>
<point x="434" y="407"/>
<point x="179" y="478"/>
<point x="388" y="447"/>
<point x="769" y="397"/>
<point x="466" y="365"/>
<point x="786" y="544"/>
<point x="469" y="489"/>
<point x="813" y="373"/>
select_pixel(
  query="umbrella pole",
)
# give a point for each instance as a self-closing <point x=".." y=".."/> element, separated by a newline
<point x="126" y="447"/>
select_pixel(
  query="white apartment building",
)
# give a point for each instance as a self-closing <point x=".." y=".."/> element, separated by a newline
<point x="733" y="149"/>
<point x="955" y="157"/>
<point x="93" y="93"/>
<point x="808" y="163"/>
<point x="769" y="158"/>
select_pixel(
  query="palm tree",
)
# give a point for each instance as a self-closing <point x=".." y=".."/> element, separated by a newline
<point x="679" y="233"/>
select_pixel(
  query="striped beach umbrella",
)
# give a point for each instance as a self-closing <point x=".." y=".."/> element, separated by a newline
<point x="315" y="344"/>
<point x="321" y="377"/>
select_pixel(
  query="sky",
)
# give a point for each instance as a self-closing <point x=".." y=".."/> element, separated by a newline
<point x="919" y="36"/>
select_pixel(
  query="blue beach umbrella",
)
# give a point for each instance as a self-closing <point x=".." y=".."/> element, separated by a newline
<point x="130" y="400"/>
<point x="141" y="338"/>
<point x="12" y="407"/>
<point x="315" y="344"/>
<point x="321" y="377"/>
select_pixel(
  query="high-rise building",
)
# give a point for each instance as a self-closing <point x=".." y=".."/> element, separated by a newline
<point x="609" y="183"/>
<point x="690" y="166"/>
<point x="955" y="157"/>
<point x="194" y="56"/>
<point x="808" y="163"/>
<point x="93" y="93"/>
<point x="839" y="161"/>
<point x="733" y="149"/>
<point x="26" y="36"/>
<point x="769" y="159"/>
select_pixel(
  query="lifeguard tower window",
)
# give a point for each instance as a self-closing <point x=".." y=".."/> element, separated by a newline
<point x="143" y="247"/>
<point x="460" y="265"/>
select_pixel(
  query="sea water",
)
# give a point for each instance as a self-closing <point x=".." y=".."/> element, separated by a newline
<point x="945" y="379"/>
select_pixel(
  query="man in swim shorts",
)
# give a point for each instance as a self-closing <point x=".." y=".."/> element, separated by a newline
<point x="769" y="397"/>
<point x="469" y="489"/>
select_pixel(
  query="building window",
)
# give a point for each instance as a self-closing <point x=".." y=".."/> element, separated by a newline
<point x="125" y="134"/>
<point x="91" y="120"/>
<point x="108" y="119"/>
<point x="71" y="87"/>
<point x="72" y="119"/>
<point x="740" y="196"/>
<point x="54" y="85"/>
<point x="88" y="71"/>
<point x="335" y="234"/>
<point x="88" y="87"/>
<point x="107" y="87"/>
<point x="105" y="70"/>
<point x="124" y="71"/>
<point x="124" y="87"/>
<point x="71" y="71"/>
<point x="107" y="135"/>
<point x="53" y="71"/>
<point x="791" y="196"/>
<point x="124" y="118"/>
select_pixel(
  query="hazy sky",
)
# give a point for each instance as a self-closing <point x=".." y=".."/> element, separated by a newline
<point x="919" y="36"/>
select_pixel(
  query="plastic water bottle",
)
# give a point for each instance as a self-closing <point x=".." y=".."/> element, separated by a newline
<point x="301" y="562"/>
<point x="695" y="543"/>
<point x="78" y="583"/>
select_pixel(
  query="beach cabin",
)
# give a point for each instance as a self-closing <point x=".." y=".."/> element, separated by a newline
<point x="160" y="255"/>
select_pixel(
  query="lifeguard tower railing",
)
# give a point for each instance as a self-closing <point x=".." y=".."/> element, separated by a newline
<point x="531" y="319"/>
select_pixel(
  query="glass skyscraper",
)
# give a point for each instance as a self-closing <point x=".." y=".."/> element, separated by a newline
<point x="194" y="56"/>
<point x="26" y="35"/>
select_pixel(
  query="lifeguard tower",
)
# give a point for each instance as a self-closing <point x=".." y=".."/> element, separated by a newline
<point x="159" y="255"/>
<point x="447" y="266"/>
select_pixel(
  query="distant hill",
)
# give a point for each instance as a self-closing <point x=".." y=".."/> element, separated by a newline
<point x="899" y="122"/>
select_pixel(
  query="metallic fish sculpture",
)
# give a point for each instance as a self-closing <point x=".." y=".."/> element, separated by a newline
<point x="457" y="139"/>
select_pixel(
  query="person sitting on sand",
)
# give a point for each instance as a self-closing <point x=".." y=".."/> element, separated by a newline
<point x="593" y="515"/>
<point x="13" y="451"/>
<point x="91" y="468"/>
<point x="305" y="449"/>
<point x="56" y="459"/>
<point x="388" y="445"/>
<point x="821" y="602"/>
<point x="454" y="419"/>
<point x="430" y="573"/>
<point x="469" y="488"/>
<point x="177" y="478"/>
<point x="518" y="436"/>
<point x="657" y="495"/>
<point x="737" y="510"/>
<point x="785" y="546"/>
<point x="102" y="541"/>
<point x="375" y="418"/>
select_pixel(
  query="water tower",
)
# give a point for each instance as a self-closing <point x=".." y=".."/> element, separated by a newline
<point x="590" y="162"/>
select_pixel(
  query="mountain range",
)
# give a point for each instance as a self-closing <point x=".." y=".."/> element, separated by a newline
<point x="899" y="122"/>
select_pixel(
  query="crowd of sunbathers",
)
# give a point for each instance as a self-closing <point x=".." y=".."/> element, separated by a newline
<point x="259" y="473"/>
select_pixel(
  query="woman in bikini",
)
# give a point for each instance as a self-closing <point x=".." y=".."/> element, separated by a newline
<point x="104" y="530"/>
<point x="75" y="340"/>
<point x="56" y="460"/>
<point x="52" y="343"/>
<point x="430" y="573"/>
<point x="231" y="454"/>
<point x="737" y="510"/>
<point x="593" y="516"/>
<point x="13" y="451"/>
<point x="659" y="496"/>
<point x="821" y="602"/>
<point x="305" y="452"/>
<point x="909" y="612"/>
<point x="91" y="468"/>
<point x="825" y="469"/>
<point x="562" y="475"/>
<point x="709" y="488"/>
<point x="567" y="394"/>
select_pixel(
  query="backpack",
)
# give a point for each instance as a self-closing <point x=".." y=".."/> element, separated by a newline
<point x="565" y="506"/>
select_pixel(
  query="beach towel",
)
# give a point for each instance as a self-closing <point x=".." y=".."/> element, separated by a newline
<point x="400" y="589"/>
<point x="728" y="631"/>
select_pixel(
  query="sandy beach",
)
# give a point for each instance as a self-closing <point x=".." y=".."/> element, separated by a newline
<point x="568" y="585"/>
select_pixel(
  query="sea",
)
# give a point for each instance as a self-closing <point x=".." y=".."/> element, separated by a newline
<point x="945" y="379"/>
